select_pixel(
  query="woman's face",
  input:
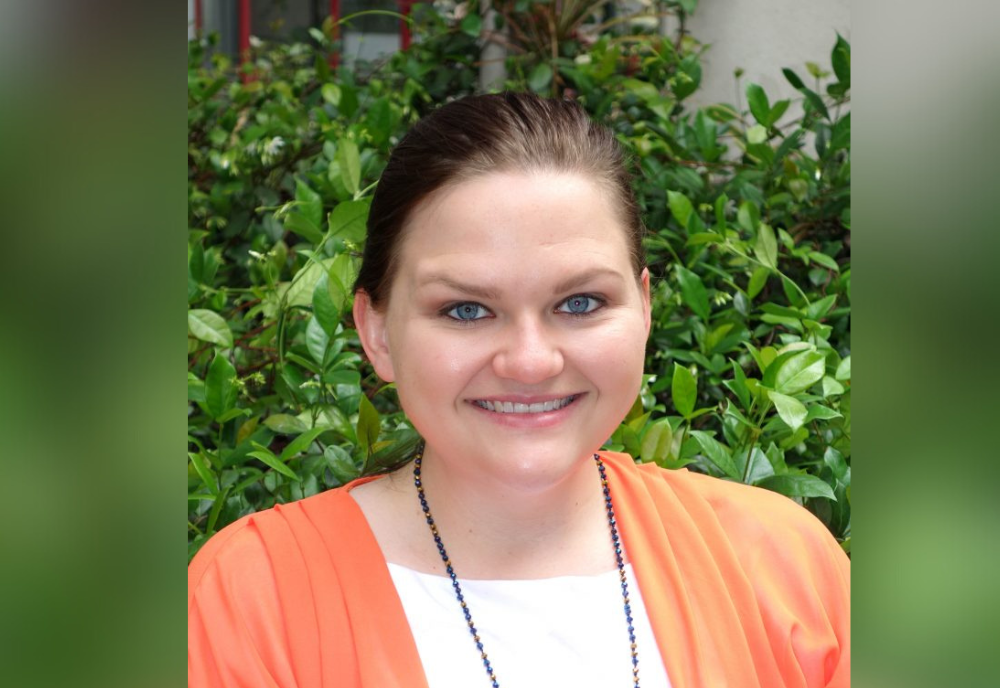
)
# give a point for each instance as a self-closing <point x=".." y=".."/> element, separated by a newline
<point x="515" y="327"/>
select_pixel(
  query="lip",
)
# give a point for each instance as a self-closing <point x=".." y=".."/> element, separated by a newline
<point x="539" y="419"/>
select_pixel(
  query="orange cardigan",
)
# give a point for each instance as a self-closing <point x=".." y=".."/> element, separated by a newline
<point x="744" y="589"/>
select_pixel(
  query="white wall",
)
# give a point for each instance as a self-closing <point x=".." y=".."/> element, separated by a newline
<point x="762" y="37"/>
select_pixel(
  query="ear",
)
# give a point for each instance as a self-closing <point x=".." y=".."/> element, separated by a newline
<point x="371" y="326"/>
<point x="646" y="305"/>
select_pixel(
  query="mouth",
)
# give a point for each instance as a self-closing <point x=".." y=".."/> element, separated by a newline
<point x="513" y="407"/>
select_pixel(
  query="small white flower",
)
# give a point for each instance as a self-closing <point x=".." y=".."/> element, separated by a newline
<point x="274" y="146"/>
<point x="255" y="42"/>
<point x="583" y="58"/>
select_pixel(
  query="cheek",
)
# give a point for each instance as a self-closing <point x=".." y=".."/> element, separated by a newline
<point x="425" y="359"/>
<point x="616" y="356"/>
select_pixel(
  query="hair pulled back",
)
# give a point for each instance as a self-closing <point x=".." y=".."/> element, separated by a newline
<point x="478" y="135"/>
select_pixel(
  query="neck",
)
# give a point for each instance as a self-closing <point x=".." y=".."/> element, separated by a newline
<point x="507" y="529"/>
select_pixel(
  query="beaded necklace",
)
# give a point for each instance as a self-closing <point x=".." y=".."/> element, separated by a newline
<point x="615" y="541"/>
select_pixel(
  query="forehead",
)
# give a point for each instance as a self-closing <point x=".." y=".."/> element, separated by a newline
<point x="552" y="216"/>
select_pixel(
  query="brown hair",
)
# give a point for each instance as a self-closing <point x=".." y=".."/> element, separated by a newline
<point x="477" y="135"/>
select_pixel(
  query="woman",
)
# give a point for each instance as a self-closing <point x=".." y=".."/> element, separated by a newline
<point x="503" y="290"/>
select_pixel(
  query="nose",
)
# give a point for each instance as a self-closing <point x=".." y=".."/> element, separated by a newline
<point x="527" y="352"/>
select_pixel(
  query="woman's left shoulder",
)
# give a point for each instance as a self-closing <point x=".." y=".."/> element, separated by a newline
<point x="751" y="516"/>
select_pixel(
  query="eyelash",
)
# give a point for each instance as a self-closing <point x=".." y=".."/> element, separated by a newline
<point x="599" y="303"/>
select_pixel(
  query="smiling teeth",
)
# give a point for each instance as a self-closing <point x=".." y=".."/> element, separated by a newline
<point x="510" y="407"/>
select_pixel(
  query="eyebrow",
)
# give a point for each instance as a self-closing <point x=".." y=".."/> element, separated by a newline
<point x="485" y="292"/>
<point x="471" y="289"/>
<point x="584" y="277"/>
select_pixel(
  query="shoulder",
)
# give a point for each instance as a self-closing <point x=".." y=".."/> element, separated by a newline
<point x="784" y="573"/>
<point x="246" y="552"/>
<point x="266" y="592"/>
<point x="755" y="520"/>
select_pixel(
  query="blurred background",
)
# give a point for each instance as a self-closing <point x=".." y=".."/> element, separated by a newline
<point x="94" y="143"/>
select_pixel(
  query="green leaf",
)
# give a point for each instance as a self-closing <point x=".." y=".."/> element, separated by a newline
<point x="209" y="326"/>
<point x="757" y="281"/>
<point x="693" y="292"/>
<point x="300" y="443"/>
<point x="840" y="58"/>
<point x="840" y="138"/>
<point x="343" y="272"/>
<point x="331" y="94"/>
<point x="766" y="248"/>
<point x="704" y="238"/>
<point x="350" y="166"/>
<point x="540" y="77"/>
<point x="267" y="457"/>
<point x="778" y="110"/>
<point x="233" y="413"/>
<point x="790" y="409"/>
<point x="793" y="79"/>
<point x="220" y="386"/>
<point x="285" y="424"/>
<point x="325" y="310"/>
<point x="683" y="390"/>
<point x="843" y="370"/>
<point x="301" y="289"/>
<point x="680" y="207"/>
<point x="317" y="340"/>
<point x="748" y="216"/>
<point x="347" y="220"/>
<point x="738" y="385"/>
<point x="801" y="486"/>
<point x="337" y="292"/>
<point x="835" y="461"/>
<point x="720" y="211"/>
<point x="759" y="105"/>
<point x="213" y="516"/>
<point x="717" y="453"/>
<point x="831" y="387"/>
<point x="472" y="24"/>
<point x="301" y="225"/>
<point x="340" y="463"/>
<point x="767" y="356"/>
<point x="820" y="412"/>
<point x="369" y="425"/>
<point x="196" y="388"/>
<point x="799" y="372"/>
<point x="814" y="99"/>
<point x="760" y="466"/>
<point x="246" y="430"/>
<point x="656" y="441"/>
<point x="309" y="203"/>
<point x="204" y="472"/>
<point x="818" y="309"/>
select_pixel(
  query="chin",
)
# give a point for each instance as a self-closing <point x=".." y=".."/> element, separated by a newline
<point x="536" y="469"/>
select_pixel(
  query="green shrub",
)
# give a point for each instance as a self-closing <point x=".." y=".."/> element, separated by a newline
<point x="748" y="212"/>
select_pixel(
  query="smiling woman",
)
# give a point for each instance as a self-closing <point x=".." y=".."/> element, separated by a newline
<point x="503" y="291"/>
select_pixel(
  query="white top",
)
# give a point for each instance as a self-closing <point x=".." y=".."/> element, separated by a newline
<point x="562" y="631"/>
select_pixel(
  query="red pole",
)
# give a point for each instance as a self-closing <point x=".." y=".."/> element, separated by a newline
<point x="334" y="18"/>
<point x="404" y="26"/>
<point x="197" y="18"/>
<point x="244" y="37"/>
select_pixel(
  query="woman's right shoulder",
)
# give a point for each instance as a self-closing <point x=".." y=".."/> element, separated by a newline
<point x="245" y="550"/>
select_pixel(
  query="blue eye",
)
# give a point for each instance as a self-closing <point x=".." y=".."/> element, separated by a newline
<point x="467" y="312"/>
<point x="579" y="304"/>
